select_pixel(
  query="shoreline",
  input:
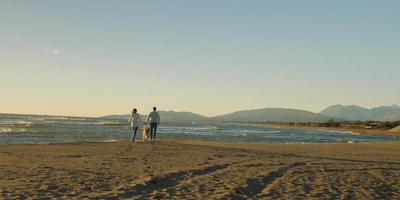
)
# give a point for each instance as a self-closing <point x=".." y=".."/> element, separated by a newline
<point x="204" y="143"/>
<point x="376" y="132"/>
<point x="185" y="140"/>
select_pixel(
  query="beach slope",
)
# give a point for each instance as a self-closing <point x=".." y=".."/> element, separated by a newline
<point x="200" y="169"/>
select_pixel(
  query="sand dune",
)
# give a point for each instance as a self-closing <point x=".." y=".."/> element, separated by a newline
<point x="395" y="130"/>
<point x="202" y="170"/>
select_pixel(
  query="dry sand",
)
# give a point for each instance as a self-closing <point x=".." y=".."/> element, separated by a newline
<point x="200" y="170"/>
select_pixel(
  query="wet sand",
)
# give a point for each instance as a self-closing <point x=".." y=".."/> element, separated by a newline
<point x="200" y="170"/>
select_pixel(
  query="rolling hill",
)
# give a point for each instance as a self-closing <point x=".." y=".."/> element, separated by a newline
<point x="272" y="115"/>
<point x="383" y="113"/>
<point x="337" y="112"/>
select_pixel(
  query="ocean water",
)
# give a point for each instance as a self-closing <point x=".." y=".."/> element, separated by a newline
<point x="28" y="129"/>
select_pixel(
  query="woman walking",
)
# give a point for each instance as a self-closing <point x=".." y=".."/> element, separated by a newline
<point x="135" y="120"/>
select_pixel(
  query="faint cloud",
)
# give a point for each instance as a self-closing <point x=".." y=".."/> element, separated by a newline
<point x="56" y="51"/>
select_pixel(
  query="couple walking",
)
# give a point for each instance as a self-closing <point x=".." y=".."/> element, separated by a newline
<point x="153" y="118"/>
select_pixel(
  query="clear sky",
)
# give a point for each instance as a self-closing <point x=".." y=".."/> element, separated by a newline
<point x="92" y="58"/>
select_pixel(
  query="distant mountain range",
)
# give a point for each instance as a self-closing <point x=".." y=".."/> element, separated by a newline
<point x="273" y="115"/>
<point x="257" y="115"/>
<point x="353" y="112"/>
<point x="336" y="112"/>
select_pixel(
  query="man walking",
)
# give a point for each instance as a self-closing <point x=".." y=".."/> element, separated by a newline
<point x="154" y="119"/>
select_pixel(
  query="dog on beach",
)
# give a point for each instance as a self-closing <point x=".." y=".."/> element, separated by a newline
<point x="145" y="133"/>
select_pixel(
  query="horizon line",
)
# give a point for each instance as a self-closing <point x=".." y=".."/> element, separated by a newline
<point x="61" y="115"/>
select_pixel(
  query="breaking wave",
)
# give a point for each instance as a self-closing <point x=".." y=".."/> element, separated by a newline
<point x="11" y="130"/>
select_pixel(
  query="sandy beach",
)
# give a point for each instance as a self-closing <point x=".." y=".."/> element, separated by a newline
<point x="200" y="170"/>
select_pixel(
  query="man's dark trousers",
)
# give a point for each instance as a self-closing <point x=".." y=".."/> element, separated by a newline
<point x="153" y="130"/>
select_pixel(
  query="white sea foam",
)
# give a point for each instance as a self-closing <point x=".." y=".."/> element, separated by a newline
<point x="5" y="130"/>
<point x="109" y="141"/>
<point x="10" y="130"/>
<point x="78" y="123"/>
<point x="202" y="128"/>
<point x="186" y="129"/>
<point x="22" y="122"/>
<point x="274" y="132"/>
<point x="259" y="131"/>
<point x="111" y="123"/>
<point x="345" y="132"/>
